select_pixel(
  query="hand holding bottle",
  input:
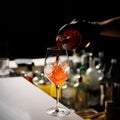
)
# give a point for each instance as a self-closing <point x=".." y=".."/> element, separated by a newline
<point x="81" y="33"/>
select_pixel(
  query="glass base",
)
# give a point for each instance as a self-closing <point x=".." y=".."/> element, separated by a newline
<point x="59" y="112"/>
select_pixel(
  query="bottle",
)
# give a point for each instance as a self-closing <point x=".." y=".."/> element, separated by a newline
<point x="108" y="81"/>
<point x="72" y="35"/>
<point x="112" y="103"/>
<point x="93" y="84"/>
<point x="76" y="59"/>
<point x="81" y="33"/>
<point x="101" y="64"/>
<point x="81" y="95"/>
<point x="115" y="76"/>
<point x="68" y="94"/>
<point x="100" y="67"/>
<point x="82" y="72"/>
<point x="84" y="59"/>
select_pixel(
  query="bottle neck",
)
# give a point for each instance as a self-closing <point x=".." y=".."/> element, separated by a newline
<point x="91" y="61"/>
<point x="113" y="71"/>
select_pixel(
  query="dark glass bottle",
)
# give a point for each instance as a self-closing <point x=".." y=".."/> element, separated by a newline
<point x="107" y="82"/>
<point x="115" y="74"/>
<point x="76" y="34"/>
<point x="111" y="84"/>
<point x="81" y="33"/>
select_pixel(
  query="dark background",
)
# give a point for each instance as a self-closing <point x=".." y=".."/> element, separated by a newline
<point x="29" y="28"/>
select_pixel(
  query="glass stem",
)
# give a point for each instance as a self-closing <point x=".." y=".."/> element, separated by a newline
<point x="57" y="97"/>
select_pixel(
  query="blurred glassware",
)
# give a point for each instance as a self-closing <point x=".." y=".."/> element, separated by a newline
<point x="4" y="67"/>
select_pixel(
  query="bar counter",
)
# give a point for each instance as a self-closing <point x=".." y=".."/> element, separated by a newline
<point x="21" y="100"/>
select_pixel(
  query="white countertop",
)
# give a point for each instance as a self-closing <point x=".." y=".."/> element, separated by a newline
<point x="21" y="100"/>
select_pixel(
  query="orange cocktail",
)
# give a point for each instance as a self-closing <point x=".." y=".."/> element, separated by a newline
<point x="58" y="73"/>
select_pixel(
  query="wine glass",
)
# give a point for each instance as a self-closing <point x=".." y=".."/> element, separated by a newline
<point x="57" y="69"/>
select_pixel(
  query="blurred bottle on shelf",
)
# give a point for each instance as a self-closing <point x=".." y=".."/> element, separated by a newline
<point x="84" y="58"/>
<point x="100" y="67"/>
<point x="93" y="83"/>
<point x="76" y="59"/>
<point x="82" y="72"/>
<point x="81" y="94"/>
<point x="107" y="82"/>
<point x="112" y="91"/>
<point x="69" y="88"/>
<point x="68" y="93"/>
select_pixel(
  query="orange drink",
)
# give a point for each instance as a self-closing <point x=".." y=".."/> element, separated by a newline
<point x="58" y="74"/>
